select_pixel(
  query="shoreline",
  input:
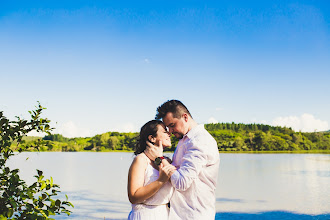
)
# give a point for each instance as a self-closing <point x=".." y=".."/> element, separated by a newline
<point x="221" y="152"/>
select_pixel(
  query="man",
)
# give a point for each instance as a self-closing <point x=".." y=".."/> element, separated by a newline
<point x="196" y="159"/>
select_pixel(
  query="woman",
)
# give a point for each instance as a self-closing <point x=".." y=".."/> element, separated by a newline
<point x="148" y="187"/>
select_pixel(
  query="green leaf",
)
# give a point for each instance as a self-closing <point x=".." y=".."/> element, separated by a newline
<point x="71" y="204"/>
<point x="15" y="171"/>
<point x="39" y="172"/>
<point x="41" y="204"/>
<point x="43" y="213"/>
<point x="57" y="203"/>
<point x="3" y="217"/>
<point x="43" y="186"/>
<point x="13" y="204"/>
<point x="40" y="178"/>
<point x="10" y="213"/>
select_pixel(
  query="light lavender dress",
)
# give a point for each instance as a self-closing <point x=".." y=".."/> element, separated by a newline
<point x="156" y="206"/>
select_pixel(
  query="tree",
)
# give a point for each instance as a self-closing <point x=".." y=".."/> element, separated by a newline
<point x="17" y="200"/>
<point x="239" y="143"/>
<point x="113" y="142"/>
<point x="104" y="140"/>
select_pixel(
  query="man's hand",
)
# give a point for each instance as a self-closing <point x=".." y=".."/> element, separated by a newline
<point x="165" y="172"/>
<point x="153" y="151"/>
<point x="169" y="169"/>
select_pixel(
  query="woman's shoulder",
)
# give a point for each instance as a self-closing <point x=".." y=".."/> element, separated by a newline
<point x="141" y="158"/>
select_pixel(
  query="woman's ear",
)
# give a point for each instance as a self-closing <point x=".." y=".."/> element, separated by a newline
<point x="152" y="139"/>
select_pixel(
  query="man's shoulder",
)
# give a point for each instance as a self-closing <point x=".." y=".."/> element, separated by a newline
<point x="197" y="131"/>
<point x="201" y="138"/>
<point x="202" y="134"/>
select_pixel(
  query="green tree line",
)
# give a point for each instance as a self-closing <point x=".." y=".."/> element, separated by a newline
<point x="229" y="136"/>
<point x="260" y="137"/>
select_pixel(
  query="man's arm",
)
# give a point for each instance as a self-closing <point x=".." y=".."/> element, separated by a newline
<point x="192" y="163"/>
<point x="153" y="151"/>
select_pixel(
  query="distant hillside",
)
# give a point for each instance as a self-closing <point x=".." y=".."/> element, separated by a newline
<point x="26" y="139"/>
<point x="229" y="136"/>
<point x="31" y="138"/>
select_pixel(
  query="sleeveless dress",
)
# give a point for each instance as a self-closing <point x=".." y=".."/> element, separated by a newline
<point x="156" y="206"/>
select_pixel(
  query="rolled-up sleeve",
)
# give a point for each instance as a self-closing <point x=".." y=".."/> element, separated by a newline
<point x="192" y="163"/>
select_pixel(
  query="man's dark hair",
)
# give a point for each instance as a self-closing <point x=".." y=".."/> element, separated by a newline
<point x="175" y="106"/>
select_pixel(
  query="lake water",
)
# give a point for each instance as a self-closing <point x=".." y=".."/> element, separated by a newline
<point x="266" y="186"/>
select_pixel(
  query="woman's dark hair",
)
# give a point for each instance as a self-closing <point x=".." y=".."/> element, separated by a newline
<point x="150" y="128"/>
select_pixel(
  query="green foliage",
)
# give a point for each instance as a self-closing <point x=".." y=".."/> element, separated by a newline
<point x="259" y="137"/>
<point x="56" y="137"/>
<point x="17" y="199"/>
<point x="229" y="137"/>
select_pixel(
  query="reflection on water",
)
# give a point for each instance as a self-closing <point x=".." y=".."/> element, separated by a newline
<point x="94" y="206"/>
<point x="295" y="183"/>
<point x="270" y="215"/>
<point x="252" y="185"/>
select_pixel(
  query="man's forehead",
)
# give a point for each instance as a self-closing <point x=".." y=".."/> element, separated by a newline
<point x="168" y="118"/>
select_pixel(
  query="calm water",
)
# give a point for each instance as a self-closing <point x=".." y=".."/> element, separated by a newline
<point x="266" y="186"/>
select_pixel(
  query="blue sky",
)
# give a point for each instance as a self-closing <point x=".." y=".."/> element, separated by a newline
<point x="107" y="65"/>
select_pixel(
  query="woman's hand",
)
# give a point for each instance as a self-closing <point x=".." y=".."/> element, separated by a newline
<point x="165" y="172"/>
<point x="153" y="151"/>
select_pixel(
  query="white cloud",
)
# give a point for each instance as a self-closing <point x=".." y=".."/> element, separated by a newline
<point x="70" y="129"/>
<point x="305" y="123"/>
<point x="212" y="120"/>
<point x="263" y="122"/>
<point x="218" y="109"/>
<point x="126" y="127"/>
<point x="146" y="60"/>
<point x="3" y="106"/>
<point x="36" y="134"/>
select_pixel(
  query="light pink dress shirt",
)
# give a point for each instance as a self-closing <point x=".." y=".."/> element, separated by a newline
<point x="197" y="161"/>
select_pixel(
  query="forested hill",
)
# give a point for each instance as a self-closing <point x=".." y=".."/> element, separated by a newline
<point x="260" y="137"/>
<point x="229" y="136"/>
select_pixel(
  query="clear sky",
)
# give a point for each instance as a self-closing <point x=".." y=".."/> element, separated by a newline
<point x="103" y="66"/>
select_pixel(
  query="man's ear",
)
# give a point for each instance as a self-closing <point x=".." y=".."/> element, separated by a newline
<point x="185" y="117"/>
<point x="152" y="139"/>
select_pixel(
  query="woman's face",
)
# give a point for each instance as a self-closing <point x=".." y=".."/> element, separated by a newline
<point x="163" y="135"/>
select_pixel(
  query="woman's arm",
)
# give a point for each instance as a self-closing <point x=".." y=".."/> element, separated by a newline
<point x="137" y="193"/>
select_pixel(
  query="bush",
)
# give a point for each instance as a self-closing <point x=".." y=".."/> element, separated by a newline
<point x="17" y="200"/>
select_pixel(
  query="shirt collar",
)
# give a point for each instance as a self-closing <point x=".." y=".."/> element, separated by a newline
<point x="194" y="131"/>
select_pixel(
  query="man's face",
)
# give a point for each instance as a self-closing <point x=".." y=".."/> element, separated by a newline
<point x="176" y="126"/>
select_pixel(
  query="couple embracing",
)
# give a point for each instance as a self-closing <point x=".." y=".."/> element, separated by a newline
<point x="187" y="182"/>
